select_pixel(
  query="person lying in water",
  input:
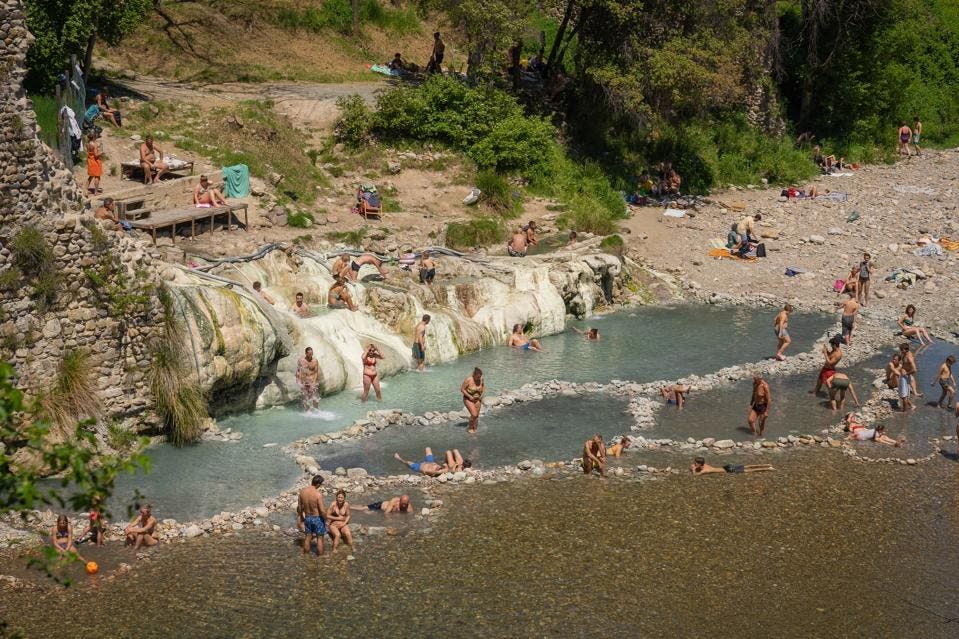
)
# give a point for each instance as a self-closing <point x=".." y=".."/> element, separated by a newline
<point x="617" y="449"/>
<point x="675" y="394"/>
<point x="429" y="467"/>
<point x="592" y="334"/>
<point x="401" y="504"/>
<point x="518" y="339"/>
<point x="700" y="467"/>
<point x="877" y="434"/>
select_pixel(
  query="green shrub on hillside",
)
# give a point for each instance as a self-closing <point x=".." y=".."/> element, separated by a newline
<point x="337" y="15"/>
<point x="498" y="194"/>
<point x="482" y="231"/>
<point x="355" y="123"/>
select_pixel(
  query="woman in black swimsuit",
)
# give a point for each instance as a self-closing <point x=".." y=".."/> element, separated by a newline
<point x="370" y="375"/>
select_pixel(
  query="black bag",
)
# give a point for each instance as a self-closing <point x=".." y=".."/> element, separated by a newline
<point x="761" y="250"/>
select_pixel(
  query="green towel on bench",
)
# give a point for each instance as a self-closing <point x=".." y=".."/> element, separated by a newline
<point x="236" y="180"/>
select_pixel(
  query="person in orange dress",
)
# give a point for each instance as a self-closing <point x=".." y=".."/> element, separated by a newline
<point x="94" y="164"/>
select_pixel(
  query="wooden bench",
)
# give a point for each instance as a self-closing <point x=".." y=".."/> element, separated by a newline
<point x="162" y="219"/>
<point x="129" y="169"/>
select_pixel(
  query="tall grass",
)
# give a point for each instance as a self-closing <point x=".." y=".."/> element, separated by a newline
<point x="72" y="396"/>
<point x="482" y="231"/>
<point x="30" y="250"/>
<point x="177" y="401"/>
<point x="337" y="15"/>
<point x="45" y="108"/>
<point x="498" y="195"/>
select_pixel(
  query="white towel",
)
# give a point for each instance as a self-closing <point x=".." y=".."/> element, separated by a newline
<point x="71" y="118"/>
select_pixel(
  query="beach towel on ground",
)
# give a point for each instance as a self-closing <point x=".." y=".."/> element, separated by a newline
<point x="949" y="244"/>
<point x="722" y="253"/>
<point x="382" y="69"/>
<point x="236" y="180"/>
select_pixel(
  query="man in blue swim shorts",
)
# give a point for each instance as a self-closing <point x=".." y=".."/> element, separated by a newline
<point x="518" y="339"/>
<point x="310" y="514"/>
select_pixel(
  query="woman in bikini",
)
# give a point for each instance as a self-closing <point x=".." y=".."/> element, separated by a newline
<point x="832" y="353"/>
<point x="907" y="324"/>
<point x="61" y="536"/>
<point x="877" y="434"/>
<point x="206" y="195"/>
<point x="338" y="520"/>
<point x="472" y="389"/>
<point x="370" y="375"/>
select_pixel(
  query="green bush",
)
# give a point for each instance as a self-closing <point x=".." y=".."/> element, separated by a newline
<point x="46" y="287"/>
<point x="45" y="108"/>
<point x="355" y="123"/>
<point x="479" y="232"/>
<point x="300" y="220"/>
<point x="613" y="245"/>
<point x="498" y="195"/>
<point x="11" y="279"/>
<point x="31" y="253"/>
<point x="350" y="238"/>
<point x="177" y="401"/>
<point x="72" y="397"/>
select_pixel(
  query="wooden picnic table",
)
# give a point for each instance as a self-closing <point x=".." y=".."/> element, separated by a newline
<point x="162" y="219"/>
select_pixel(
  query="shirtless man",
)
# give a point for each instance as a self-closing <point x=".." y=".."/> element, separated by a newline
<point x="341" y="267"/>
<point x="781" y="326"/>
<point x="759" y="406"/>
<point x="849" y="308"/>
<point x="419" y="342"/>
<point x="107" y="212"/>
<point x="339" y="293"/>
<point x="907" y="382"/>
<point x="893" y="370"/>
<point x="299" y="307"/>
<point x="518" y="339"/>
<point x="258" y="289"/>
<point x="205" y="194"/>
<point x="427" y="268"/>
<point x="518" y="244"/>
<point x="594" y="455"/>
<point x="142" y="530"/>
<point x="531" y="233"/>
<point x="151" y="159"/>
<point x="947" y="382"/>
<point x="675" y="394"/>
<point x="401" y="504"/>
<point x="435" y="65"/>
<point x="366" y="258"/>
<point x="700" y="467"/>
<point x="307" y="376"/>
<point x="310" y="514"/>
<point x="430" y="468"/>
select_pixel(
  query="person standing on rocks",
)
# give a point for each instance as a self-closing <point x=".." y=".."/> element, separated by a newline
<point x="307" y="376"/>
<point x="849" y="308"/>
<point x="917" y="135"/>
<point x="594" y="455"/>
<point x="947" y="382"/>
<point x="371" y="377"/>
<point x="427" y="268"/>
<point x="833" y="354"/>
<point x="472" y="390"/>
<point x="310" y="514"/>
<point x="759" y="406"/>
<point x="865" y="273"/>
<point x="419" y="342"/>
<point x="781" y="325"/>
<point x="435" y="65"/>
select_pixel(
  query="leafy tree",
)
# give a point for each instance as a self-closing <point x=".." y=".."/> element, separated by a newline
<point x="27" y="453"/>
<point x="72" y="27"/>
<point x="490" y="26"/>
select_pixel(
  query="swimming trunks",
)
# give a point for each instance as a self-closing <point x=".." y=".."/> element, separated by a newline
<point x="419" y="353"/>
<point x="427" y="275"/>
<point x="760" y="408"/>
<point x="377" y="505"/>
<point x="905" y="386"/>
<point x="944" y="383"/>
<point x="734" y="468"/>
<point x="415" y="467"/>
<point x="527" y="346"/>
<point x="825" y="373"/>
<point x="783" y="334"/>
<point x="840" y="383"/>
<point x="355" y="266"/>
<point x="314" y="525"/>
<point x="513" y="252"/>
<point x="904" y="137"/>
<point x="915" y="138"/>
<point x="847" y="323"/>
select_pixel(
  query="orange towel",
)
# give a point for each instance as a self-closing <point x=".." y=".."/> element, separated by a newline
<point x="722" y="253"/>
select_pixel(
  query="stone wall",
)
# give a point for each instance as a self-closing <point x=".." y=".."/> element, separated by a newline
<point x="37" y="191"/>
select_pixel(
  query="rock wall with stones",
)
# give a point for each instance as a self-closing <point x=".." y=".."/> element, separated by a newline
<point x="45" y="315"/>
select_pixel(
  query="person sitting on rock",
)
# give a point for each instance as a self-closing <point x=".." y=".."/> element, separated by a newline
<point x="61" y="537"/>
<point x="107" y="211"/>
<point x="340" y="293"/>
<point x="401" y="504"/>
<point x="825" y="163"/>
<point x="206" y="195"/>
<point x="700" y="467"/>
<point x="673" y="180"/>
<point x="142" y="530"/>
<point x="341" y="267"/>
<point x="518" y="339"/>
<point x="105" y="110"/>
<point x="518" y="244"/>
<point x="430" y="468"/>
